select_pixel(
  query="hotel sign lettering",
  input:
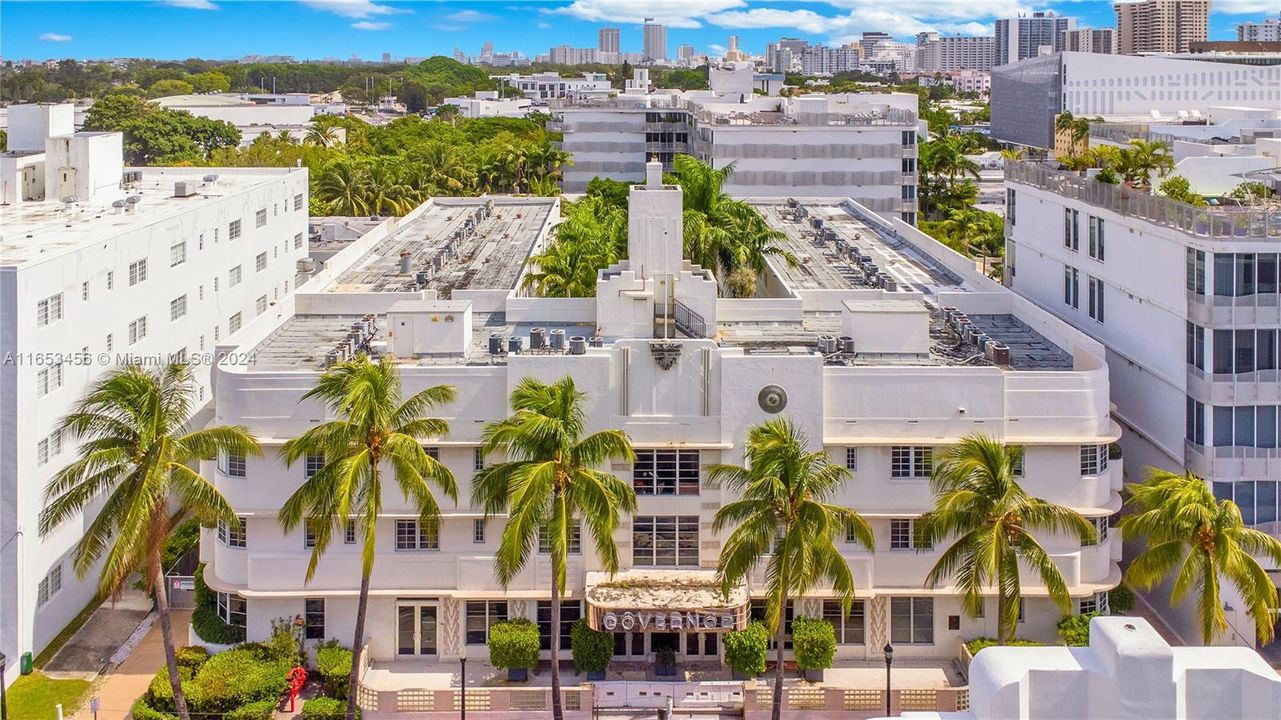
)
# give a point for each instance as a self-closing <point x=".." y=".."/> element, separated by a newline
<point x="659" y="621"/>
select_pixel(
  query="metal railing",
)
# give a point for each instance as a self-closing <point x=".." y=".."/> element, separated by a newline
<point x="688" y="321"/>
<point x="1246" y="223"/>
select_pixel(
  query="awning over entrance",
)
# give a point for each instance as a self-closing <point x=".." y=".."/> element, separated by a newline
<point x="664" y="601"/>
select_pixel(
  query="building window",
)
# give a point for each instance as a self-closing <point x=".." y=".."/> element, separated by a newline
<point x="1095" y="246"/>
<point x="260" y="305"/>
<point x="137" y="272"/>
<point x="178" y="253"/>
<point x="233" y="323"/>
<point x="908" y="138"/>
<point x="1100" y="532"/>
<point x="233" y="535"/>
<point x="111" y="280"/>
<point x="757" y="611"/>
<point x="232" y="464"/>
<point x="310" y="529"/>
<point x="1071" y="229"/>
<point x="478" y="531"/>
<point x="481" y="614"/>
<point x="1010" y="198"/>
<point x="1096" y="603"/>
<point x="50" y="584"/>
<point x="666" y="472"/>
<point x="478" y="459"/>
<point x="911" y="461"/>
<point x="1071" y="287"/>
<point x="313" y="619"/>
<point x="233" y="230"/>
<point x="49" y="310"/>
<point x="231" y="608"/>
<point x="904" y="535"/>
<point x="850" y="630"/>
<point x="851" y="459"/>
<point x="233" y="276"/>
<point x="1195" y="346"/>
<point x="414" y="535"/>
<point x="312" y="465"/>
<point x="137" y="330"/>
<point x="108" y="343"/>
<point x="1094" y="459"/>
<point x="177" y="307"/>
<point x="575" y="541"/>
<point x="298" y="201"/>
<point x="912" y="620"/>
<point x="84" y="291"/>
<point x="1194" y="419"/>
<point x="298" y="241"/>
<point x="349" y="536"/>
<point x="260" y="262"/>
<point x="48" y="379"/>
<point x="1094" y="298"/>
<point x="49" y="447"/>
<point x="1196" y="271"/>
<point x="665" y="541"/>
<point x="260" y="218"/>
<point x="570" y="612"/>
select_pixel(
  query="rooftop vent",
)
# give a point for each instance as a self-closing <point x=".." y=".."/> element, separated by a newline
<point x="183" y="189"/>
<point x="210" y="178"/>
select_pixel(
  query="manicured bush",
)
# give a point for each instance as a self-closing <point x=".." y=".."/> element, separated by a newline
<point x="979" y="643"/>
<point x="814" y="642"/>
<point x="745" y="650"/>
<point x="1121" y="600"/>
<point x="513" y="644"/>
<point x="1075" y="629"/>
<point x="592" y="648"/>
<point x="204" y="594"/>
<point x="143" y="711"/>
<point x="192" y="656"/>
<point x="261" y="710"/>
<point x="204" y="618"/>
<point x="160" y="691"/>
<point x="333" y="665"/>
<point x="235" y="678"/>
<point x="323" y="708"/>
<point x="286" y="640"/>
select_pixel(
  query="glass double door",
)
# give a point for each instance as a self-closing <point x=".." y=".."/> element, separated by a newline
<point x="415" y="630"/>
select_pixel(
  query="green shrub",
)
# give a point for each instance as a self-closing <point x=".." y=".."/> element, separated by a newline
<point x="979" y="643"/>
<point x="1121" y="599"/>
<point x="160" y="691"/>
<point x="745" y="650"/>
<point x="333" y="665"/>
<point x="323" y="708"/>
<point x="261" y="710"/>
<point x="204" y="594"/>
<point x="513" y="644"/>
<point x="192" y="656"/>
<point x="1075" y="629"/>
<point x="814" y="642"/>
<point x="592" y="648"/>
<point x="236" y="677"/>
<point x="211" y="628"/>
<point x="286" y="640"/>
<point x="142" y="711"/>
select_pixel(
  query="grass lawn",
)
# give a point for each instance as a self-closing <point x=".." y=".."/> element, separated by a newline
<point x="33" y="697"/>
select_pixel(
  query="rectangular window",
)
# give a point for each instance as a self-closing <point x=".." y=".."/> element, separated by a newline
<point x="1010" y="203"/>
<point x="1071" y="229"/>
<point x="298" y="201"/>
<point x="1017" y="454"/>
<point x="349" y="537"/>
<point x="137" y="330"/>
<point x="1195" y="342"/>
<point x="49" y="310"/>
<point x="234" y="534"/>
<point x="478" y="459"/>
<point x="757" y="611"/>
<point x="1094" y="459"/>
<point x="233" y="464"/>
<point x="48" y="379"/>
<point x="851" y="459"/>
<point x="298" y="241"/>
<point x="260" y="305"/>
<point x="233" y="323"/>
<point x="413" y="535"/>
<point x="260" y="262"/>
<point x="912" y="620"/>
<point x="231" y="608"/>
<point x="233" y="230"/>
<point x="1094" y="298"/>
<point x="84" y="291"/>
<point x="1100" y="531"/>
<point x="1098" y="602"/>
<point x="177" y="307"/>
<point x="665" y="541"/>
<point x="312" y="465"/>
<point x="310" y="529"/>
<point x="1071" y="287"/>
<point x="575" y="541"/>
<point x="137" y="272"/>
<point x="850" y="630"/>
<point x="108" y="343"/>
<point x="481" y="614"/>
<point x="111" y="280"/>
<point x="313" y="625"/>
<point x="1196" y="271"/>
<point x="178" y="253"/>
<point x="911" y="461"/>
<point x="233" y="276"/>
<point x="478" y="531"/>
<point x="570" y="612"/>
<point x="260" y="218"/>
<point x="1095" y="248"/>
<point x="50" y="585"/>
<point x="904" y="535"/>
<point x="666" y="472"/>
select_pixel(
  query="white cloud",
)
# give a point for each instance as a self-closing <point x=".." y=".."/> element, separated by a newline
<point x="469" y="16"/>
<point x="190" y="4"/>
<point x="544" y="26"/>
<point x="672" y="13"/>
<point x="806" y="20"/>
<point x="902" y="19"/>
<point x="1244" y="7"/>
<point x="715" y="50"/>
<point x="937" y="9"/>
<point x="352" y="8"/>
<point x="366" y="25"/>
<point x="55" y="37"/>
<point x="443" y="27"/>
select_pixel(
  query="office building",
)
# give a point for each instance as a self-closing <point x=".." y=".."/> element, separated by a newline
<point x="566" y="55"/>
<point x="1160" y="26"/>
<point x="1101" y="41"/>
<point x="1267" y="31"/>
<point x="1027" y="37"/>
<point x="654" y="46"/>
<point x="607" y="40"/>
<point x="823" y="60"/>
<point x="685" y="379"/>
<point x="685" y="52"/>
<point x="100" y="264"/>
<point x="952" y="53"/>
<point x="732" y="53"/>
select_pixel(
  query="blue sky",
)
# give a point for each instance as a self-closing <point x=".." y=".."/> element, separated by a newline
<point x="175" y="29"/>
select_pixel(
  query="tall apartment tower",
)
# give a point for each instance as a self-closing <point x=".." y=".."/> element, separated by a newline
<point x="655" y="41"/>
<point x="607" y="40"/>
<point x="1158" y="26"/>
<point x="1101" y="41"/>
<point x="1267" y="31"/>
<point x="1023" y="37"/>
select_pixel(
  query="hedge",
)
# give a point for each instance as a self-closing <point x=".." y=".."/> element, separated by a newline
<point x="204" y="619"/>
<point x="261" y="710"/>
<point x="225" y="682"/>
<point x="333" y="665"/>
<point x="814" y="642"/>
<point x="323" y="708"/>
<point x="192" y="656"/>
<point x="142" y="711"/>
<point x="592" y="649"/>
<point x="1075" y="629"/>
<point x="513" y="644"/>
<point x="745" y="650"/>
<point x="1121" y="599"/>
<point x="979" y="643"/>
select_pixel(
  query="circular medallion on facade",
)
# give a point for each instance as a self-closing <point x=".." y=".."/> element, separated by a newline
<point x="772" y="399"/>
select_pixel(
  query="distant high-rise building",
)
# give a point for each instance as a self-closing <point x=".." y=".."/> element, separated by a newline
<point x="1267" y="31"/>
<point x="1160" y="26"/>
<point x="732" y="53"/>
<point x="1091" y="40"/>
<point x="1023" y="37"/>
<point x="685" y="52"/>
<point x="460" y="56"/>
<point x="871" y="39"/>
<point x="487" y="48"/>
<point x="953" y="53"/>
<point x="608" y="40"/>
<point x="655" y="41"/>
<point x="386" y="58"/>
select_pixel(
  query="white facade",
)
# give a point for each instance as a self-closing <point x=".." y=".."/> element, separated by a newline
<point x="1267" y="31"/>
<point x="547" y="85"/>
<point x="950" y="53"/>
<point x="131" y="268"/>
<point x="654" y="42"/>
<point x="486" y="103"/>
<point x="972" y="81"/>
<point x="1025" y="37"/>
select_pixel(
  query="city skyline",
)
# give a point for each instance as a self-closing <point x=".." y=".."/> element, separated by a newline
<point x="228" y="29"/>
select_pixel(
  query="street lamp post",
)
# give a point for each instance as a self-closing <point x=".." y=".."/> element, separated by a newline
<point x="889" y="660"/>
<point x="462" y="673"/>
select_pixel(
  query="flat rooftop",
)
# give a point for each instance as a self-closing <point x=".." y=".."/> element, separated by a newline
<point x="38" y="230"/>
<point x="456" y="244"/>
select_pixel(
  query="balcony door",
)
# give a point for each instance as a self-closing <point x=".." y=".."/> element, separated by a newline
<point x="415" y="629"/>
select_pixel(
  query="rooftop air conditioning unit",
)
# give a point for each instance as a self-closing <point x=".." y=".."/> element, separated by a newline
<point x="183" y="189"/>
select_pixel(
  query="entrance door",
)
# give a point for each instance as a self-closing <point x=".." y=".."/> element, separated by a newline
<point x="415" y="630"/>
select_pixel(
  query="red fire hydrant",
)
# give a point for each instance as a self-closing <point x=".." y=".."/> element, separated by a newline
<point x="297" y="679"/>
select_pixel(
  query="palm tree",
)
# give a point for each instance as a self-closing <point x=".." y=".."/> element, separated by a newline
<point x="343" y="185"/>
<point x="550" y="483"/>
<point x="785" y="513"/>
<point x="137" y="450"/>
<point x="981" y="504"/>
<point x="446" y="172"/>
<point x="1202" y="541"/>
<point x="592" y="236"/>
<point x="1077" y="128"/>
<point x="373" y="428"/>
<point x="321" y="135"/>
<point x="1012" y="154"/>
<point x="1141" y="158"/>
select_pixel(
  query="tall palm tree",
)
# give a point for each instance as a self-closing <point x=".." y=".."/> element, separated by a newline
<point x="137" y="450"/>
<point x="373" y="428"/>
<point x="1202" y="541"/>
<point x="980" y="503"/>
<point x="343" y="185"/>
<point x="321" y="135"/>
<point x="550" y="482"/>
<point x="1140" y="159"/>
<point x="784" y="513"/>
<point x="446" y="171"/>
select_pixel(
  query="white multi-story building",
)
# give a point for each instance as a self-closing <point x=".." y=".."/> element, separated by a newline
<point x="883" y="346"/>
<point x="547" y="85"/>
<point x="1185" y="300"/>
<point x="972" y="81"/>
<point x="1090" y="40"/>
<point x="950" y="53"/>
<point x="1267" y="31"/>
<point x="654" y="45"/>
<point x="823" y="60"/>
<point x="100" y="264"/>
<point x="487" y="103"/>
<point x="1025" y="37"/>
<point x="607" y="40"/>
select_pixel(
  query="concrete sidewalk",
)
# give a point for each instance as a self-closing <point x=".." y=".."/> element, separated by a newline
<point x="121" y="687"/>
<point x="88" y="651"/>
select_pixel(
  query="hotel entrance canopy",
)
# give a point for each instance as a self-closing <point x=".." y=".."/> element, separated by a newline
<point x="664" y="601"/>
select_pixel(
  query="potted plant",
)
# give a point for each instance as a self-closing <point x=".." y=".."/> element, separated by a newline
<point x="745" y="650"/>
<point x="665" y="661"/>
<point x="814" y="642"/>
<point x="592" y="649"/>
<point x="513" y="646"/>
